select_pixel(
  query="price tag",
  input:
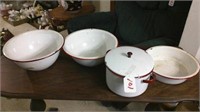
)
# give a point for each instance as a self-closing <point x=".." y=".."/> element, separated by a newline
<point x="171" y="3"/>
<point x="129" y="84"/>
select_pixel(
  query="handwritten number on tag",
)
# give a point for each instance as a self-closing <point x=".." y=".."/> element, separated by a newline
<point x="129" y="84"/>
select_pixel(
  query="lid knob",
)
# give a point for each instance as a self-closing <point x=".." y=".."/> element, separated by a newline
<point x="129" y="54"/>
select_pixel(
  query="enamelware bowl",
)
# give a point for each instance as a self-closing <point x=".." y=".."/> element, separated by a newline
<point x="88" y="47"/>
<point x="34" y="50"/>
<point x="173" y="65"/>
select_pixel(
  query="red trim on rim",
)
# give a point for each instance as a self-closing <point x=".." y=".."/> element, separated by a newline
<point x="32" y="60"/>
<point x="124" y="76"/>
<point x="174" y="77"/>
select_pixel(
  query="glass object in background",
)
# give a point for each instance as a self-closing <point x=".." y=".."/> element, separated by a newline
<point x="4" y="8"/>
<point x="73" y="6"/>
<point x="17" y="4"/>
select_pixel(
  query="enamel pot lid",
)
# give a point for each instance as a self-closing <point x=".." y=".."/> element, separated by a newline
<point x="127" y="60"/>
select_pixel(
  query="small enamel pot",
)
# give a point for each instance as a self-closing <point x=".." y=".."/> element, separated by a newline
<point x="128" y="71"/>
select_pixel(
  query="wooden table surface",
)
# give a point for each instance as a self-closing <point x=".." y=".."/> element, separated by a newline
<point x="67" y="80"/>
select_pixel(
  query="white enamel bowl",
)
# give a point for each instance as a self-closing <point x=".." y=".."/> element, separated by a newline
<point x="173" y="65"/>
<point x="34" y="50"/>
<point x="88" y="47"/>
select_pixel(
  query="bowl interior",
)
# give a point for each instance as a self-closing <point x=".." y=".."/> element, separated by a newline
<point x="173" y="62"/>
<point x="89" y="43"/>
<point x="33" y="45"/>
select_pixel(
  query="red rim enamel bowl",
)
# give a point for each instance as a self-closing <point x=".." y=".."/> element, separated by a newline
<point x="173" y="65"/>
<point x="34" y="50"/>
<point x="88" y="47"/>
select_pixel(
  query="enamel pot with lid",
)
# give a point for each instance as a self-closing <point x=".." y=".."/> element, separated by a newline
<point x="128" y="71"/>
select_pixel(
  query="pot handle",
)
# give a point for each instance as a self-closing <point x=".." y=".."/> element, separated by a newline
<point x="152" y="79"/>
<point x="108" y="51"/>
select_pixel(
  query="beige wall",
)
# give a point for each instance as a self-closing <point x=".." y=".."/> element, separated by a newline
<point x="102" y="5"/>
<point x="190" y="40"/>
